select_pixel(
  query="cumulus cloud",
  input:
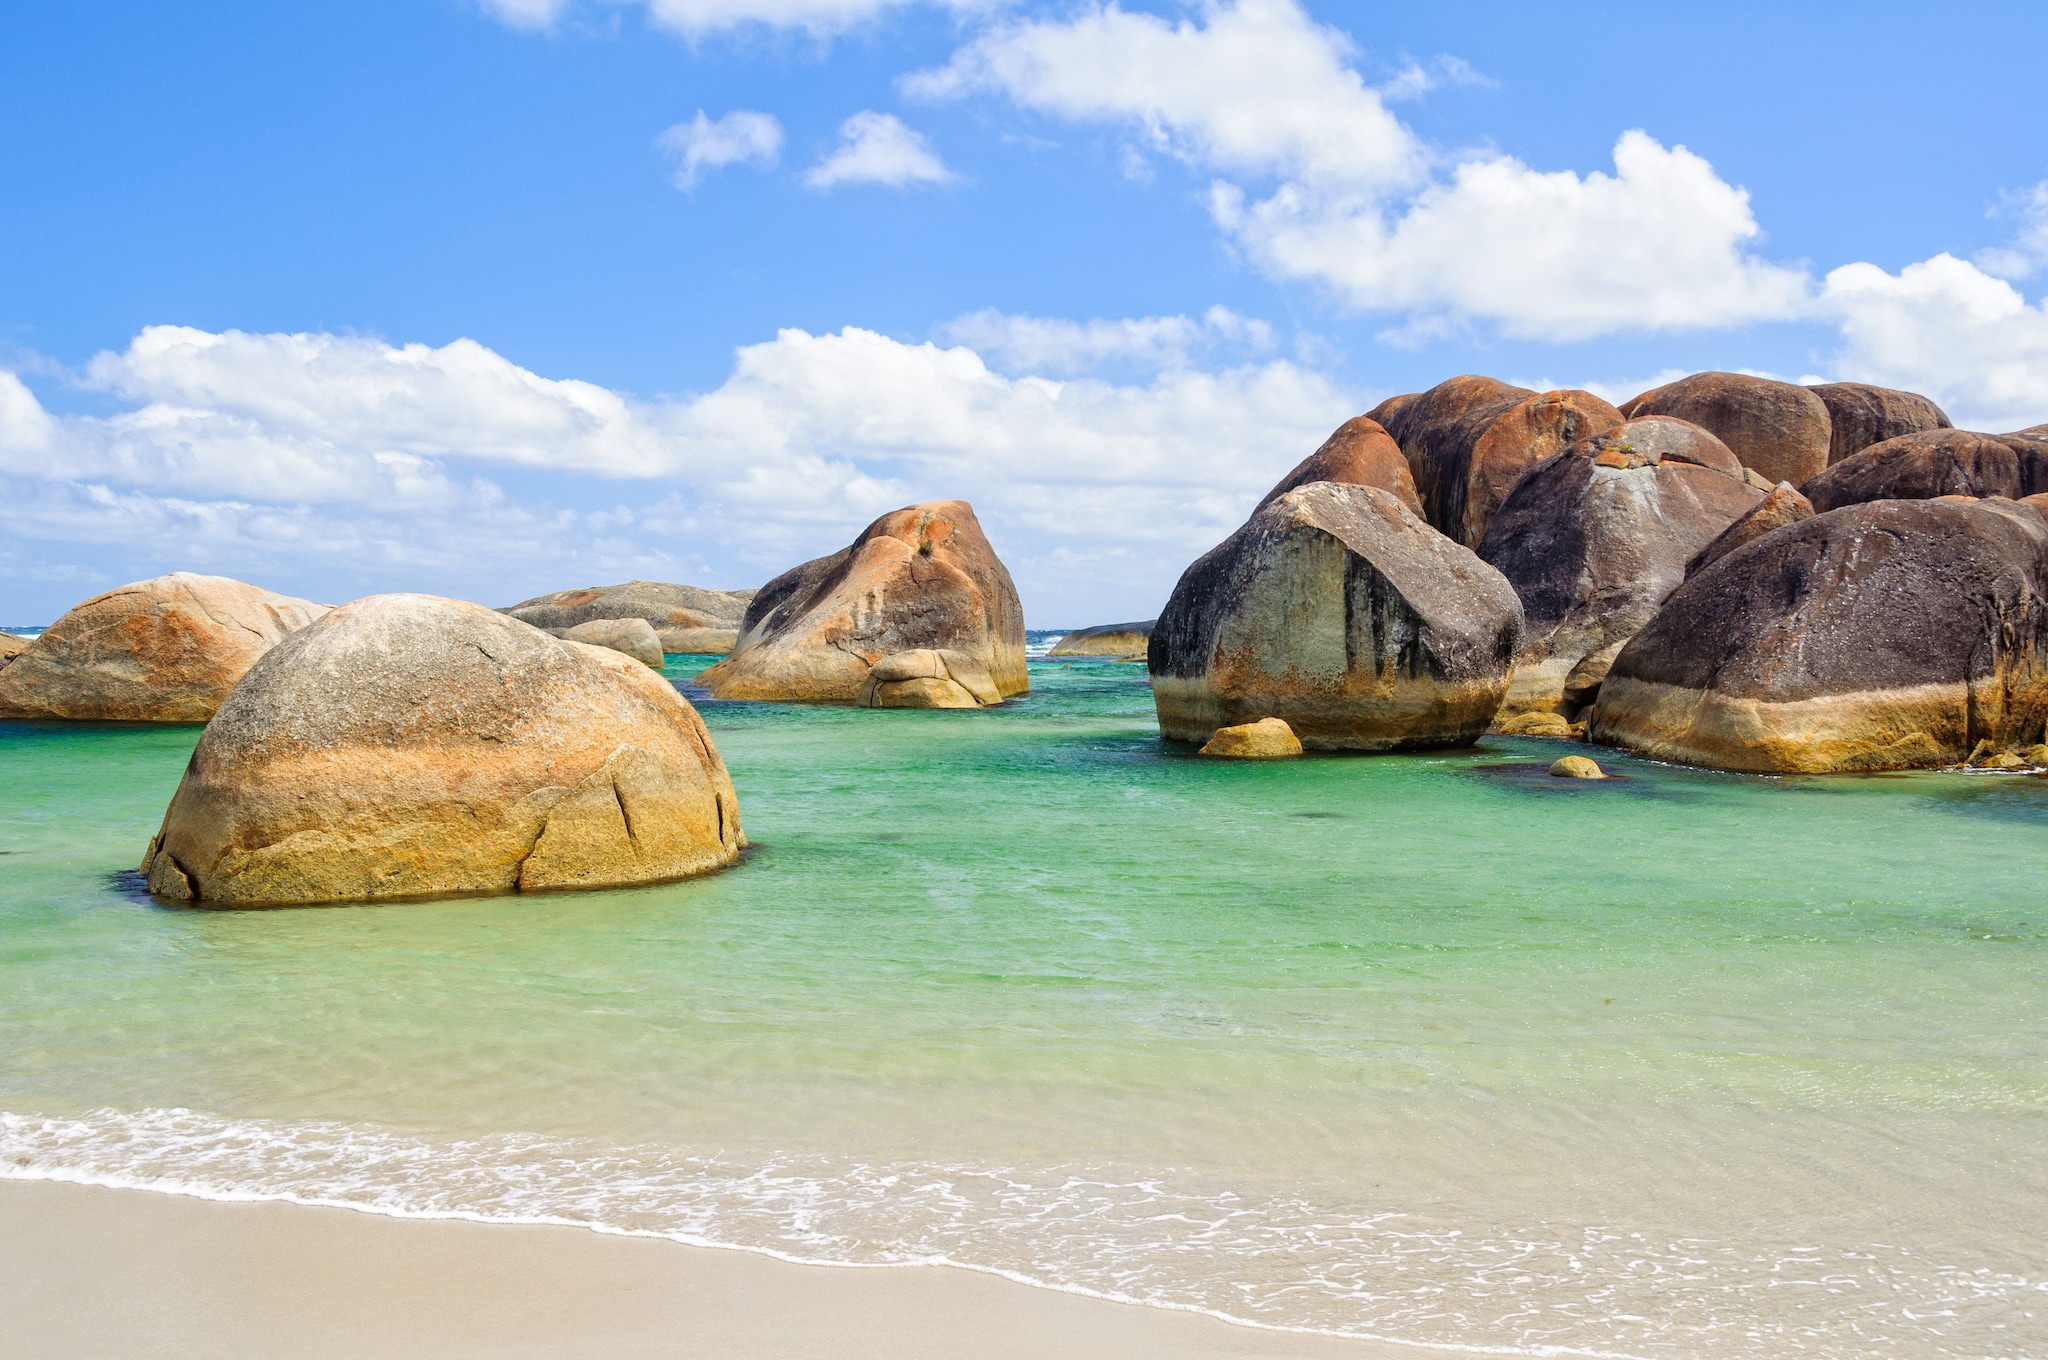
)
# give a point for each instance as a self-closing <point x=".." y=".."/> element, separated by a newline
<point x="741" y="137"/>
<point x="383" y="466"/>
<point x="876" y="148"/>
<point x="1348" y="196"/>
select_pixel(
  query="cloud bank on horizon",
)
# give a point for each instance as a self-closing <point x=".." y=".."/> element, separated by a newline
<point x="1103" y="453"/>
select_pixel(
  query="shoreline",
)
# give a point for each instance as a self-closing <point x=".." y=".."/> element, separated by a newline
<point x="113" y="1272"/>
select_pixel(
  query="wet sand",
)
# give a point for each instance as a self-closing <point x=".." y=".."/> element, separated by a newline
<point x="86" y="1271"/>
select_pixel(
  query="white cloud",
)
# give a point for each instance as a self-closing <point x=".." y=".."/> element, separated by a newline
<point x="1033" y="344"/>
<point x="741" y="137"/>
<point x="1946" y="328"/>
<point x="1258" y="92"/>
<point x="697" y="18"/>
<point x="2029" y="251"/>
<point x="321" y="458"/>
<point x="541" y="15"/>
<point x="1416" y="80"/>
<point x="876" y="148"/>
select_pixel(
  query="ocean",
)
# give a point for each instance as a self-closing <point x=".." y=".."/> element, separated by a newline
<point x="1431" y="1048"/>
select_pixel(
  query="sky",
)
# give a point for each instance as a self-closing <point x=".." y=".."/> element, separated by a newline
<point x="489" y="298"/>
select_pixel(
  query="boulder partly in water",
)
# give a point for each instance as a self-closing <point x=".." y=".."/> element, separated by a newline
<point x="920" y="578"/>
<point x="1338" y="611"/>
<point x="1886" y="635"/>
<point x="1266" y="739"/>
<point x="166" y="650"/>
<point x="1122" y="641"/>
<point x="927" y="677"/>
<point x="1595" y="538"/>
<point x="408" y="745"/>
<point x="1781" y="431"/>
<point x="663" y="604"/>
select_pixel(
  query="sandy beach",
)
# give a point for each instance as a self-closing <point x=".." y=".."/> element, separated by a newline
<point x="87" y="1271"/>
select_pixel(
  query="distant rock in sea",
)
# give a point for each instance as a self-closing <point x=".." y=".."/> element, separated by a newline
<point x="1860" y="415"/>
<point x="1891" y="634"/>
<point x="920" y="578"/>
<point x="408" y="745"/>
<point x="685" y="618"/>
<point x="1934" y="463"/>
<point x="1781" y="431"/>
<point x="166" y="650"/>
<point x="1339" y="611"/>
<point x="1123" y="641"/>
<point x="1595" y="538"/>
<point x="632" y="637"/>
<point x="12" y="646"/>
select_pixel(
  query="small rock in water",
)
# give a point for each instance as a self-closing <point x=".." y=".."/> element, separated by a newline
<point x="2004" y="760"/>
<point x="2035" y="755"/>
<point x="1539" y="724"/>
<point x="1266" y="739"/>
<point x="1576" y="767"/>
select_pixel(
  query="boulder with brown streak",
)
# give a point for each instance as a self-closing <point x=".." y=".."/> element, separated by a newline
<point x="1781" y="507"/>
<point x="1885" y="635"/>
<point x="923" y="577"/>
<point x="1361" y="453"/>
<point x="1934" y="463"/>
<point x="1780" y="430"/>
<point x="1595" y="538"/>
<point x="408" y="745"/>
<point x="1338" y="611"/>
<point x="165" y="650"/>
<point x="1860" y="415"/>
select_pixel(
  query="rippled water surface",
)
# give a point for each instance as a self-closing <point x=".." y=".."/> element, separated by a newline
<point x="1426" y="1047"/>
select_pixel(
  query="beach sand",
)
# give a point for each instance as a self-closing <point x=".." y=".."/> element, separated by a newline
<point x="92" y="1272"/>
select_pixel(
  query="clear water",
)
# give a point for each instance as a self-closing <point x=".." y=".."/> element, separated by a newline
<point x="1433" y="1048"/>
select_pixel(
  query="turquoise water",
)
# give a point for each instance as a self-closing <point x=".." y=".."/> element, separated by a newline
<point x="1426" y="1047"/>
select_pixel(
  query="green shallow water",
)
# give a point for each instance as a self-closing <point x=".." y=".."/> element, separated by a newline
<point x="1428" y="1047"/>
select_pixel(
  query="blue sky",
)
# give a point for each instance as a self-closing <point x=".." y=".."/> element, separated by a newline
<point x="408" y="295"/>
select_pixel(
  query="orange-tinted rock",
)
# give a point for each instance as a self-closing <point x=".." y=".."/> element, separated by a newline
<point x="12" y="646"/>
<point x="1781" y="507"/>
<point x="1860" y="415"/>
<point x="1360" y="453"/>
<point x="1934" y="463"/>
<point x="1266" y="739"/>
<point x="923" y="577"/>
<point x="632" y="637"/>
<point x="1780" y="430"/>
<point x="1338" y="611"/>
<point x="1436" y="431"/>
<point x="1594" y="539"/>
<point x="1390" y="409"/>
<point x="407" y="745"/>
<point x="165" y="650"/>
<point x="1123" y="641"/>
<point x="1520" y="438"/>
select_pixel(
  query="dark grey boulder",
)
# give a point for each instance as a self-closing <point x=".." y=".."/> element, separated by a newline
<point x="1934" y="463"/>
<point x="1860" y="415"/>
<point x="1781" y="507"/>
<point x="1781" y="431"/>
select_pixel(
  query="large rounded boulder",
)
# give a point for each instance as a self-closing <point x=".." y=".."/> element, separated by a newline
<point x="1886" y="635"/>
<point x="684" y="618"/>
<point x="1360" y="453"/>
<point x="1781" y="431"/>
<point x="1595" y="538"/>
<point x="1338" y="611"/>
<point x="1860" y="415"/>
<point x="1120" y="641"/>
<point x="923" y="578"/>
<point x="1934" y="463"/>
<point x="408" y="745"/>
<point x="165" y="650"/>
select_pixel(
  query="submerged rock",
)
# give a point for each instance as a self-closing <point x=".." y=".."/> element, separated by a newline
<point x="165" y="650"/>
<point x="1781" y="431"/>
<point x="1576" y="767"/>
<point x="1887" y="635"/>
<point x="1124" y="641"/>
<point x="409" y="745"/>
<point x="1781" y="507"/>
<point x="663" y="604"/>
<point x="1934" y="463"/>
<point x="1860" y="415"/>
<point x="1266" y="739"/>
<point x="923" y="577"/>
<point x="1338" y="611"/>
<point x="1360" y="453"/>
<point x="632" y="637"/>
<point x="1595" y="538"/>
<point x="929" y="678"/>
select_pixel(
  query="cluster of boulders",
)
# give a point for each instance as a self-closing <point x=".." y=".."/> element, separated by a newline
<point x="1727" y="571"/>
<point x="685" y="620"/>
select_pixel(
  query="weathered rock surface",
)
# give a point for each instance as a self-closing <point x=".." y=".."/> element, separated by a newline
<point x="1885" y="635"/>
<point x="1576" y="767"/>
<point x="12" y="646"/>
<point x="1781" y="431"/>
<point x="1595" y="538"/>
<point x="1860" y="415"/>
<point x="1266" y="739"/>
<point x="699" y="641"/>
<point x="1124" y="641"/>
<point x="165" y="650"/>
<point x="927" y="677"/>
<point x="923" y="577"/>
<point x="1781" y="507"/>
<point x="1934" y="463"/>
<point x="662" y="604"/>
<point x="1338" y="611"/>
<point x="1361" y="453"/>
<point x="409" y="745"/>
<point x="633" y="637"/>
